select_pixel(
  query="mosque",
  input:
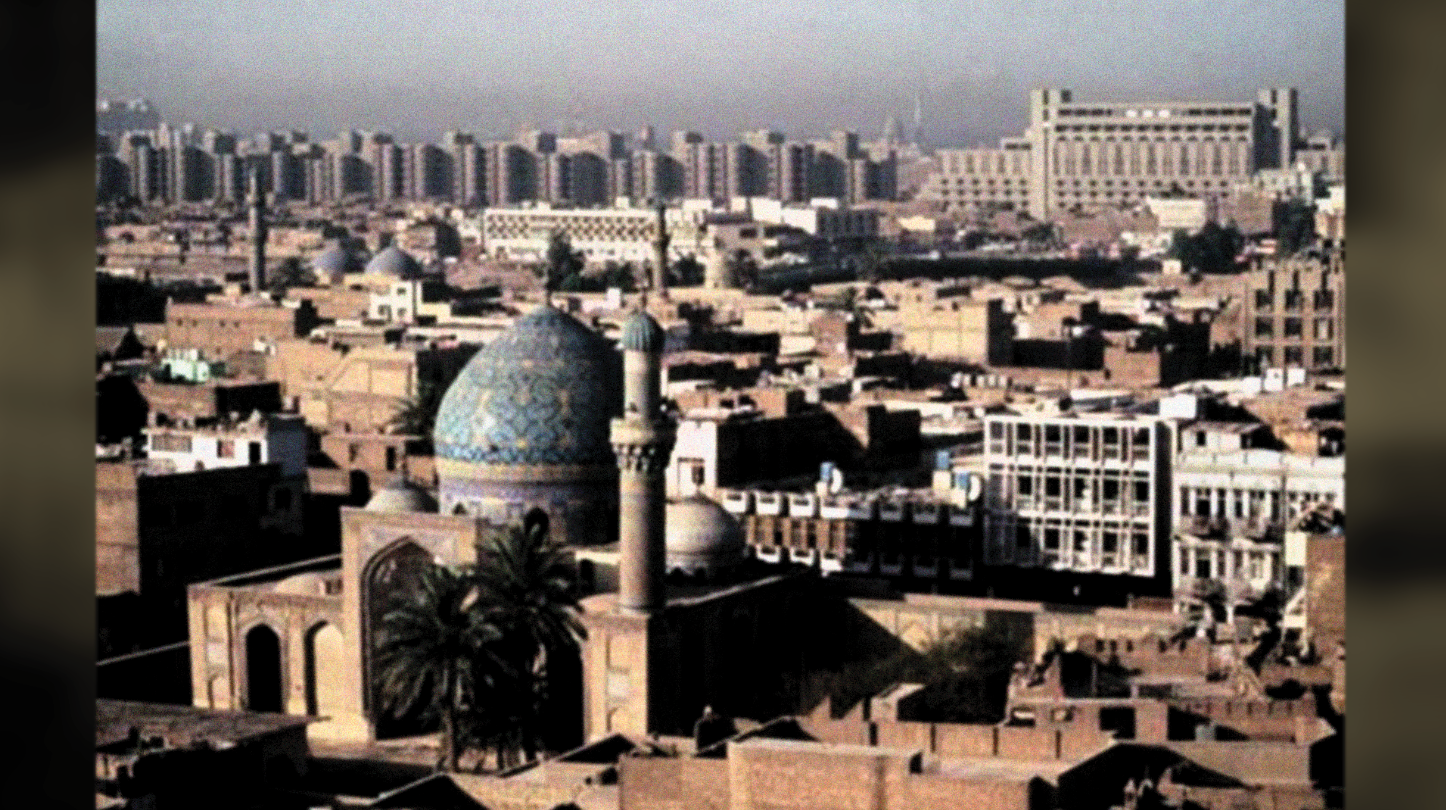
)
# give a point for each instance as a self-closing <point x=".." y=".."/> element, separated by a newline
<point x="551" y="417"/>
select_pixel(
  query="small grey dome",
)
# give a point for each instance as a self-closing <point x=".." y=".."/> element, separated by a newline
<point x="336" y="261"/>
<point x="395" y="262"/>
<point x="701" y="535"/>
<point x="401" y="497"/>
<point x="641" y="333"/>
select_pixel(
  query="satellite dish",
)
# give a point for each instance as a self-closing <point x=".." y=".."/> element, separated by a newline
<point x="835" y="481"/>
<point x="976" y="487"/>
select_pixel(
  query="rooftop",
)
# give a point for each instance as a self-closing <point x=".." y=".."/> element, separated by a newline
<point x="181" y="726"/>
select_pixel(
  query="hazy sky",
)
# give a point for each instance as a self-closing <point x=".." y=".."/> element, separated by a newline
<point x="419" y="67"/>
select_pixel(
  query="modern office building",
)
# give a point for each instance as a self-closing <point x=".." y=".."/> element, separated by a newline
<point x="1077" y="155"/>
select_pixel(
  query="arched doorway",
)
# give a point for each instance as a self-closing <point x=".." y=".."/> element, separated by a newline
<point x="389" y="577"/>
<point x="323" y="670"/>
<point x="263" y="670"/>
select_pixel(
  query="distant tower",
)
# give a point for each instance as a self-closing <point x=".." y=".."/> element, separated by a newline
<point x="660" y="252"/>
<point x="642" y="439"/>
<point x="892" y="131"/>
<point x="918" y="138"/>
<point x="256" y="200"/>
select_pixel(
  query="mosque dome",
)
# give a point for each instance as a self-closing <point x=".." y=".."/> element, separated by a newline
<point x="401" y="497"/>
<point x="641" y="333"/>
<point x="542" y="393"/>
<point x="336" y="261"/>
<point x="700" y="535"/>
<point x="395" y="262"/>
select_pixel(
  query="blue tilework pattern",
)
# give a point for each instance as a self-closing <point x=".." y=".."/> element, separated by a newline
<point x="543" y="392"/>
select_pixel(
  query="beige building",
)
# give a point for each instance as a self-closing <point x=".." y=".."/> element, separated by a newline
<point x="1295" y="314"/>
<point x="1077" y="155"/>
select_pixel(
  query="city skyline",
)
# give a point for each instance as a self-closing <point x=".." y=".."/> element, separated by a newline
<point x="394" y="69"/>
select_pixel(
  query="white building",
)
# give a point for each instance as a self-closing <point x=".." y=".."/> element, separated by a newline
<point x="1086" y="493"/>
<point x="600" y="234"/>
<point x="274" y="439"/>
<point x="1231" y="507"/>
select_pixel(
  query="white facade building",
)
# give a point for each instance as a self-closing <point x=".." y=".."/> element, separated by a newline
<point x="1085" y="493"/>
<point x="600" y="234"/>
<point x="274" y="439"/>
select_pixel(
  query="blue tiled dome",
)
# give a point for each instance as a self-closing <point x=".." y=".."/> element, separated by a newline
<point x="393" y="261"/>
<point x="541" y="393"/>
<point x="641" y="333"/>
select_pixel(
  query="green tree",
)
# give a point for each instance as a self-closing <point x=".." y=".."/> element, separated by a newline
<point x="686" y="272"/>
<point x="1294" y="227"/>
<point x="561" y="262"/>
<point x="419" y="415"/>
<point x="289" y="273"/>
<point x="743" y="269"/>
<point x="439" y="656"/>
<point x="529" y="591"/>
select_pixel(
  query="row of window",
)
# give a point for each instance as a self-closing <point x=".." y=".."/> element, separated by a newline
<point x="1295" y="355"/>
<point x="1322" y="328"/>
<point x="1214" y="563"/>
<point x="1293" y="300"/>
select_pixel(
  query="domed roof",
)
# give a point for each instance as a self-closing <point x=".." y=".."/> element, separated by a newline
<point x="641" y="333"/>
<point x="401" y="497"/>
<point x="393" y="261"/>
<point x="701" y="534"/>
<point x="543" y="392"/>
<point x="336" y="261"/>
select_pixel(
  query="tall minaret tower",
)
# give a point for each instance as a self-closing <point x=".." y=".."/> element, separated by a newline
<point x="643" y="440"/>
<point x="256" y="202"/>
<point x="660" y="252"/>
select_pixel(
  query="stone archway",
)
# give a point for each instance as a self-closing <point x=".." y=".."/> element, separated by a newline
<point x="263" y="670"/>
<point x="324" y="662"/>
<point x="390" y="575"/>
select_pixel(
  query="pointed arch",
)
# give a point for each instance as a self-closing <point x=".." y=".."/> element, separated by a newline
<point x="264" y="688"/>
<point x="389" y="574"/>
<point x="324" y="662"/>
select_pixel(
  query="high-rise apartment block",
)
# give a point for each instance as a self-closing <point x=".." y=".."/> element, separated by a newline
<point x="1077" y="155"/>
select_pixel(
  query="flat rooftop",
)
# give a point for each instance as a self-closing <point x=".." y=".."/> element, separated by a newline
<point x="181" y="726"/>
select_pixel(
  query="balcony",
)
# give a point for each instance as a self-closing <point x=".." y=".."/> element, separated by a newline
<point x="927" y="513"/>
<point x="768" y="503"/>
<point x="802" y="504"/>
<point x="738" y="502"/>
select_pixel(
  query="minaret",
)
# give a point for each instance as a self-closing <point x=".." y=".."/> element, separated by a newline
<point x="643" y="440"/>
<point x="256" y="201"/>
<point x="660" y="253"/>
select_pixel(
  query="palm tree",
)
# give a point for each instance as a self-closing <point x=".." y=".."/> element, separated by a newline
<point x="439" y="653"/>
<point x="527" y="584"/>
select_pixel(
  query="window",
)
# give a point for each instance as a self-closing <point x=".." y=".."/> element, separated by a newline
<point x="1051" y="539"/>
<point x="1052" y="488"/>
<point x="1142" y="543"/>
<point x="1292" y="327"/>
<point x="1264" y="355"/>
<point x="1294" y="355"/>
<point x="353" y="452"/>
<point x="225" y="448"/>
<point x="1323" y="356"/>
<point x="1024" y="485"/>
<point x="391" y="459"/>
<point x="1293" y="300"/>
<point x="254" y="453"/>
<point x="1264" y="301"/>
<point x="1264" y="327"/>
<point x="1142" y="491"/>
<point x="171" y="443"/>
<point x="1200" y="438"/>
<point x="1323" y="299"/>
<point x="1324" y="329"/>
<point x="1110" y="542"/>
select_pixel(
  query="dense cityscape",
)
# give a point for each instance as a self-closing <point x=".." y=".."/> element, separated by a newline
<point x="630" y="470"/>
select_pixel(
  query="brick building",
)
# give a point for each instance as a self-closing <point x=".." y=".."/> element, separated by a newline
<point x="220" y="330"/>
<point x="1294" y="314"/>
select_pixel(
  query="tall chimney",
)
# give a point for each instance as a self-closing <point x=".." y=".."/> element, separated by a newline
<point x="643" y="440"/>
